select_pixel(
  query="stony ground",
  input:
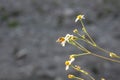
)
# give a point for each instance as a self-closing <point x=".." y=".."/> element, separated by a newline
<point x="29" y="29"/>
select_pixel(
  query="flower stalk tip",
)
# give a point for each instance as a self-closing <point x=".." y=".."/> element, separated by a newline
<point x="113" y="55"/>
<point x="70" y="76"/>
<point x="75" y="31"/>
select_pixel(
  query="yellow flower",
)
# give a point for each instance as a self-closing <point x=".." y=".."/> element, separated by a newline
<point x="65" y="39"/>
<point x="79" y="17"/>
<point x="70" y="76"/>
<point x="68" y="63"/>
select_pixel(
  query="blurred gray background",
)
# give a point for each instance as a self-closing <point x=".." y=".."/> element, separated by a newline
<point x="29" y="30"/>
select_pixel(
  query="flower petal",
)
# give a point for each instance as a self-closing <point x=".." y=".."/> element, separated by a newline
<point x="76" y="19"/>
<point x="66" y="68"/>
<point x="73" y="59"/>
<point x="63" y="43"/>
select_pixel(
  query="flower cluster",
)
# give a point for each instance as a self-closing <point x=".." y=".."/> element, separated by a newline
<point x="71" y="39"/>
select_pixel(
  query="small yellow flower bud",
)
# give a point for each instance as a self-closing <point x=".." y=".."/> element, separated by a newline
<point x="73" y="38"/>
<point x="84" y="29"/>
<point x="75" y="31"/>
<point x="77" y="67"/>
<point x="83" y="36"/>
<point x="70" y="76"/>
<point x="113" y="55"/>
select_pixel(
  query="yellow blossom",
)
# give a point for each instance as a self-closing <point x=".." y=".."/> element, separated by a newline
<point x="79" y="17"/>
<point x="68" y="63"/>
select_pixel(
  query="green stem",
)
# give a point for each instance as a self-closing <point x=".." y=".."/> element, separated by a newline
<point x="81" y="54"/>
<point x="102" y="49"/>
<point x="79" y="78"/>
<point x="84" y="72"/>
<point x="109" y="59"/>
<point x="79" y="45"/>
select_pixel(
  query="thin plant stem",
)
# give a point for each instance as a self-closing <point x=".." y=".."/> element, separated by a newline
<point x="109" y="59"/>
<point x="81" y="47"/>
<point x="78" y="46"/>
<point x="84" y="72"/>
<point x="85" y="40"/>
<point x="98" y="47"/>
<point x="87" y="32"/>
<point x="81" y="54"/>
<point x="79" y="78"/>
<point x="94" y="44"/>
<point x="106" y="58"/>
<point x="102" y="49"/>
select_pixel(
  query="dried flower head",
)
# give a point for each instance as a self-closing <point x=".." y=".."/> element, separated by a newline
<point x="62" y="41"/>
<point x="65" y="39"/>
